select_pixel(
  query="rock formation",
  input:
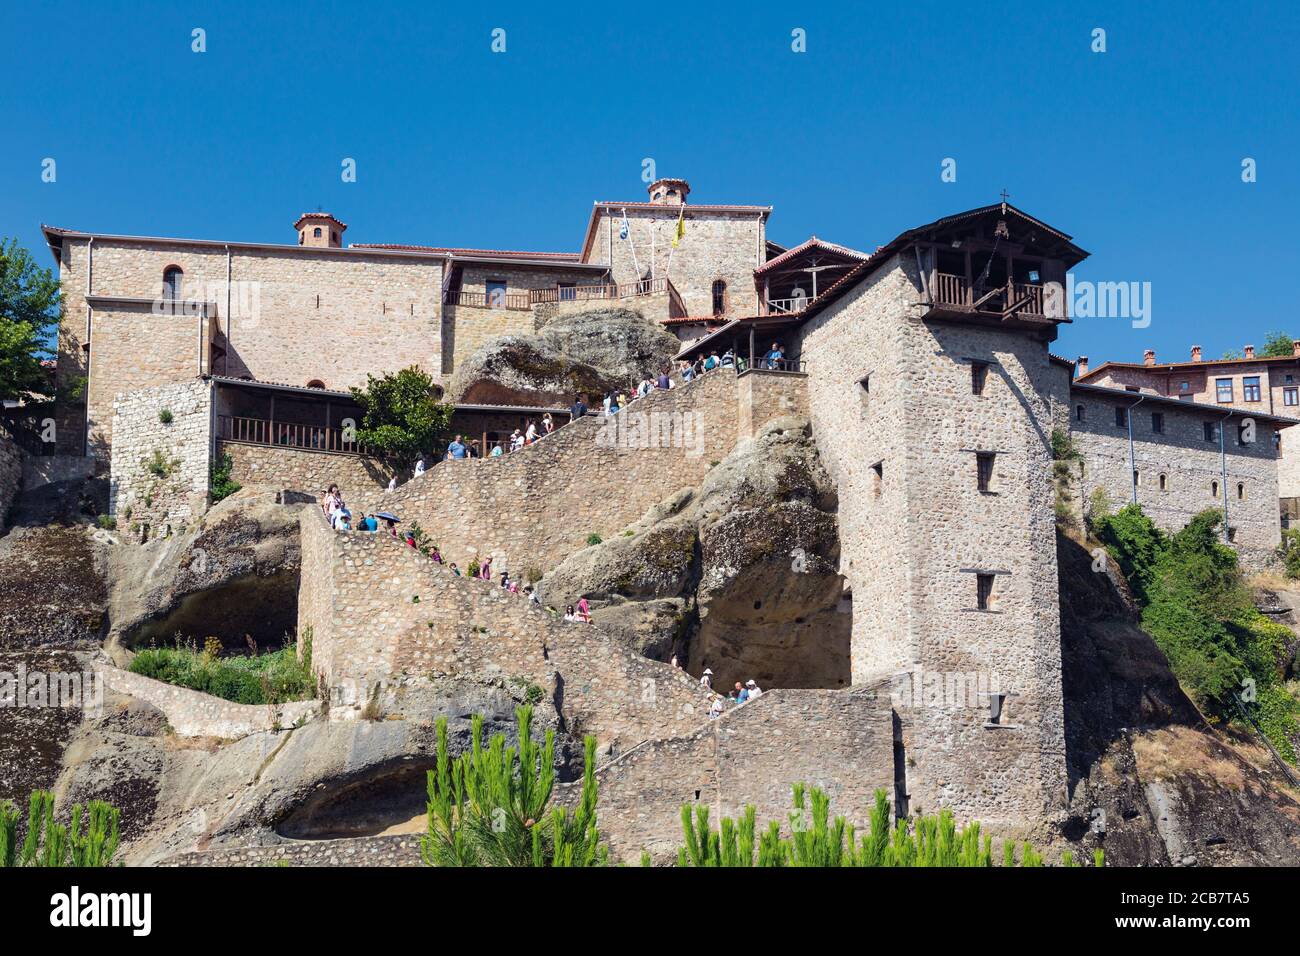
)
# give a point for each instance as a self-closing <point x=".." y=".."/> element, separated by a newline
<point x="590" y="352"/>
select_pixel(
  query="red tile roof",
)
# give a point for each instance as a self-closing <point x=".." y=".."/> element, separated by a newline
<point x="472" y="253"/>
<point x="804" y="247"/>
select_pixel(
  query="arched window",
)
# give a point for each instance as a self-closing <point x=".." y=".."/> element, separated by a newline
<point x="172" y="278"/>
<point x="316" y="233"/>
<point x="1241" y="491"/>
<point x="315" y="383"/>
<point x="1164" y="482"/>
<point x="719" y="297"/>
<point x="1214" y="489"/>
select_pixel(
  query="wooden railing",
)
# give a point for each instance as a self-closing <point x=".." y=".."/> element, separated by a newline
<point x="573" y="293"/>
<point x="259" y="431"/>
<point x="797" y="304"/>
<point x="489" y="300"/>
<point x="956" y="291"/>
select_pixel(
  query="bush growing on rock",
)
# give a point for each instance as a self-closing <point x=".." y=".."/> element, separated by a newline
<point x="274" y="678"/>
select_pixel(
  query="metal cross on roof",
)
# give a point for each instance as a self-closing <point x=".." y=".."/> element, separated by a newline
<point x="1005" y="195"/>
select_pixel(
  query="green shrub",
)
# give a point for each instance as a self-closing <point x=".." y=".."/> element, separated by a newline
<point x="165" y="416"/>
<point x="273" y="678"/>
<point x="108" y="522"/>
<point x="47" y="843"/>
<point x="220" y="484"/>
<point x="593" y="539"/>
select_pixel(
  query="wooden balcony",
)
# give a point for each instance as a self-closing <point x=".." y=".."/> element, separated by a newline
<point x="569" y="293"/>
<point x="259" y="431"/>
<point x="1014" y="300"/>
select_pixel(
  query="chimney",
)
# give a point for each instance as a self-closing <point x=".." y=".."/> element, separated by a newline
<point x="1250" y="352"/>
<point x="1081" y="365"/>
<point x="1196" y="353"/>
<point x="1149" y="357"/>
<point x="319" y="230"/>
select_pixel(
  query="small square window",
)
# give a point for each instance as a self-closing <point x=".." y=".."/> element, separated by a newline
<point x="1158" y="422"/>
<point x="984" y="591"/>
<point x="1291" y="395"/>
<point x="1223" y="389"/>
<point x="1250" y="388"/>
<point x="1210" y="431"/>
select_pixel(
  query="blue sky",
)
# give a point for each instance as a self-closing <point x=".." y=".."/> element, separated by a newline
<point x="1136" y="152"/>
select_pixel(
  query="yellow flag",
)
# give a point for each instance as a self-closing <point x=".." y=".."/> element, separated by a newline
<point x="681" y="227"/>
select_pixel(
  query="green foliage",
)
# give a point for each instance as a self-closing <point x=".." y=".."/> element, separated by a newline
<point x="1290" y="551"/>
<point x="594" y="539"/>
<point x="220" y="484"/>
<point x="1276" y="345"/>
<point x="107" y="522"/>
<point x="423" y="543"/>
<point x="401" y="415"/>
<point x="818" y="840"/>
<point x="29" y="314"/>
<point x="273" y="678"/>
<point x="158" y="465"/>
<point x="90" y="839"/>
<point x="1199" y="611"/>
<point x="492" y="807"/>
<point x="165" y="416"/>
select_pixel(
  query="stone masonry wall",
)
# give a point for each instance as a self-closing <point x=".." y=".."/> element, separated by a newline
<point x="268" y="468"/>
<point x="296" y="315"/>
<point x="11" y="475"/>
<point x="764" y="394"/>
<point x="1190" y="466"/>
<point x="535" y="506"/>
<point x="841" y="741"/>
<point x="191" y="713"/>
<point x="377" y="609"/>
<point x="145" y="445"/>
<point x="717" y="245"/>
<point x="898" y="426"/>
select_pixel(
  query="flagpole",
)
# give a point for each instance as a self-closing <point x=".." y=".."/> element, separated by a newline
<point x="681" y="220"/>
<point x="632" y="242"/>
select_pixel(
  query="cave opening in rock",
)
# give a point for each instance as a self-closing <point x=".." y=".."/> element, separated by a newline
<point x="798" y="636"/>
<point x="387" y="800"/>
<point x="261" y="609"/>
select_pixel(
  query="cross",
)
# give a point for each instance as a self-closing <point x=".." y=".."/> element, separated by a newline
<point x="1005" y="195"/>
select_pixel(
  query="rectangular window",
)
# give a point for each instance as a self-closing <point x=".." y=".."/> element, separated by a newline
<point x="1210" y="430"/>
<point x="1158" y="422"/>
<point x="1121" y="418"/>
<point x="1223" y="389"/>
<point x="496" y="294"/>
<point x="1250" y="388"/>
<point x="1291" y="395"/>
<point x="1184" y="386"/>
<point x="983" y="591"/>
<point x="1079" y="413"/>
<point x="984" y="470"/>
<point x="568" y="291"/>
<point x="979" y="372"/>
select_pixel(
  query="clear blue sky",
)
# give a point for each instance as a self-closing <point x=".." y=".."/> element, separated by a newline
<point x="1136" y="151"/>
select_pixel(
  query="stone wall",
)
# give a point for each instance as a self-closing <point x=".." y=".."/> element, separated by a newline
<point x="717" y="245"/>
<point x="191" y="713"/>
<point x="49" y="469"/>
<point x="764" y="394"/>
<point x="159" y="471"/>
<point x="394" y="850"/>
<point x="898" y="426"/>
<point x="363" y="481"/>
<point x="11" y="475"/>
<point x="841" y="741"/>
<point x="534" y="507"/>
<point x="1180" y="474"/>
<point x="296" y="315"/>
<point x="377" y="609"/>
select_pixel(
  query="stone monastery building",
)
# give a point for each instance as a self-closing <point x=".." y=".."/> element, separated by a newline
<point x="924" y="367"/>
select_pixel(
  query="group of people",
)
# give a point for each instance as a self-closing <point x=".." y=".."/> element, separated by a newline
<point x="341" y="518"/>
<point x="735" y="697"/>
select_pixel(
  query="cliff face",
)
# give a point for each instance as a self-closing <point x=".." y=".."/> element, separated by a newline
<point x="1150" y="780"/>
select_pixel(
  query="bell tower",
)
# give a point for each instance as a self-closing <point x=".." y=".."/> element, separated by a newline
<point x="319" y="230"/>
<point x="669" y="192"/>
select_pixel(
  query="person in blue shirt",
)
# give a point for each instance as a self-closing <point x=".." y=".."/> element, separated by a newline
<point x="774" y="356"/>
<point x="456" y="449"/>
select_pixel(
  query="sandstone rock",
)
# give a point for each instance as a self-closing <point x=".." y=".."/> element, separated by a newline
<point x="685" y="578"/>
<point x="591" y="352"/>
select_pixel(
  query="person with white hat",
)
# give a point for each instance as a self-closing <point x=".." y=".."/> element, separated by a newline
<point x="707" y="678"/>
<point x="715" y="708"/>
<point x="754" y="689"/>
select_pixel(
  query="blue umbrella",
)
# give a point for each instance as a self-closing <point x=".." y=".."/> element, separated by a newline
<point x="387" y="516"/>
